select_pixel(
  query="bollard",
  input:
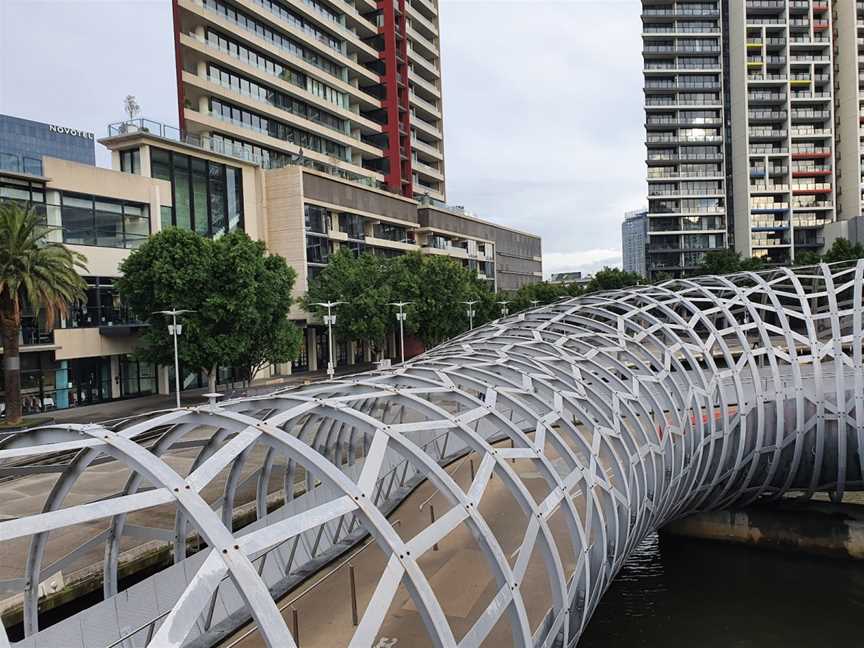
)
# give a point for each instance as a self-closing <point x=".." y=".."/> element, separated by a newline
<point x="353" y="583"/>
<point x="432" y="517"/>
<point x="295" y="624"/>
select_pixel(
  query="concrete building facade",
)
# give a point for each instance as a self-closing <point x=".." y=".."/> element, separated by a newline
<point x="353" y="88"/>
<point x="88" y="357"/>
<point x="752" y="118"/>
<point x="159" y="180"/>
<point x="306" y="213"/>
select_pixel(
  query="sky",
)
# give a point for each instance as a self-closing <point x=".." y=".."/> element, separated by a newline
<point x="543" y="117"/>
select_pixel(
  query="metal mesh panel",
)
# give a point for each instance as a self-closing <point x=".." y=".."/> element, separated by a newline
<point x="633" y="407"/>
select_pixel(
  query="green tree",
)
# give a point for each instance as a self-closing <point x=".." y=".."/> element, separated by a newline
<point x="542" y="292"/>
<point x="843" y="250"/>
<point x="807" y="258"/>
<point x="240" y="297"/>
<point x="436" y="285"/>
<point x="752" y="264"/>
<point x="720" y="262"/>
<point x="726" y="261"/>
<point x="612" y="279"/>
<point x="364" y="283"/>
<point x="36" y="272"/>
<point x="261" y="286"/>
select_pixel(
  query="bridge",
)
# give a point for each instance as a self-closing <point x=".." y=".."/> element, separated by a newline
<point x="592" y="422"/>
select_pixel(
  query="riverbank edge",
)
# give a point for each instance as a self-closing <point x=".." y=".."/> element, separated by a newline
<point x="812" y="527"/>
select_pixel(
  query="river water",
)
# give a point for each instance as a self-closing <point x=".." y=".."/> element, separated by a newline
<point x="676" y="593"/>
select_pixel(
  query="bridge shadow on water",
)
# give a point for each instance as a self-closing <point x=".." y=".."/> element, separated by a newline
<point x="676" y="593"/>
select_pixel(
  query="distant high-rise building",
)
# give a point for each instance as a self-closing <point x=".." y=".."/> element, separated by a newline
<point x="24" y="142"/>
<point x="634" y="238"/>
<point x="742" y="135"/>
<point x="353" y="88"/>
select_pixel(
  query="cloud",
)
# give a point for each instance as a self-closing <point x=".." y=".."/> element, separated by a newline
<point x="542" y="101"/>
<point x="543" y="118"/>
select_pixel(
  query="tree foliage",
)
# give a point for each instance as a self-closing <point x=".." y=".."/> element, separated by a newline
<point x="239" y="296"/>
<point x="612" y="279"/>
<point x="435" y="285"/>
<point x="727" y="261"/>
<point x="363" y="282"/>
<point x="843" y="250"/>
<point x="36" y="272"/>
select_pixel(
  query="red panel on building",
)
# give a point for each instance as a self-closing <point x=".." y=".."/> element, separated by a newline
<point x="395" y="81"/>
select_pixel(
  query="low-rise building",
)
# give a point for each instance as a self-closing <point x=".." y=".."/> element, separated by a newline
<point x="302" y="212"/>
<point x="103" y="214"/>
<point x="578" y="278"/>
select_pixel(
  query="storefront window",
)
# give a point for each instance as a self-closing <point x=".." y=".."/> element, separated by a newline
<point x="136" y="378"/>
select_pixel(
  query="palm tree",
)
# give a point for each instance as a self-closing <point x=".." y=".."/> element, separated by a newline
<point x="34" y="271"/>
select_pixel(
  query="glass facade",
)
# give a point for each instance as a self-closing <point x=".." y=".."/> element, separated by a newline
<point x="102" y="307"/>
<point x="23" y="143"/>
<point x="207" y="196"/>
<point x="103" y="222"/>
<point x="82" y="219"/>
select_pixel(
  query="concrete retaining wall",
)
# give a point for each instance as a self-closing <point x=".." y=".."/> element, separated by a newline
<point x="821" y="528"/>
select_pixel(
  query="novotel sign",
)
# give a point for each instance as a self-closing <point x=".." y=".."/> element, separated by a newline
<point x="62" y="130"/>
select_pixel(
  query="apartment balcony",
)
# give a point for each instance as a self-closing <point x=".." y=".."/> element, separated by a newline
<point x="769" y="188"/>
<point x="417" y="17"/>
<point x="422" y="84"/>
<point x="767" y="134"/>
<point x="811" y="189"/>
<point x="427" y="106"/>
<point x="422" y="125"/>
<point x="421" y="146"/>
<point x="811" y="154"/>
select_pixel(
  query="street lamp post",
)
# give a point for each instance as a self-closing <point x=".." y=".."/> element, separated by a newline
<point x="175" y="330"/>
<point x="470" y="312"/>
<point x="330" y="321"/>
<point x="504" y="310"/>
<point x="400" y="317"/>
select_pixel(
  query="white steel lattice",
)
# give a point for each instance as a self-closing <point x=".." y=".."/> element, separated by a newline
<point x="636" y="407"/>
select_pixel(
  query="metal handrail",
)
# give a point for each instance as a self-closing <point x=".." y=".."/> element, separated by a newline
<point x="150" y="625"/>
<point x="312" y="587"/>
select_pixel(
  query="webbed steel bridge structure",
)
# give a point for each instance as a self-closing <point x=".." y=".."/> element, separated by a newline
<point x="634" y="408"/>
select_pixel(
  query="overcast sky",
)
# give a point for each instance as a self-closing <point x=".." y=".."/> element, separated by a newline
<point x="542" y="102"/>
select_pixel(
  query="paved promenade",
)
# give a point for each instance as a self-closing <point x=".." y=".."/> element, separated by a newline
<point x="458" y="573"/>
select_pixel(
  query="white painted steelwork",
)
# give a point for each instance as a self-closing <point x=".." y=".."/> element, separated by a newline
<point x="635" y="407"/>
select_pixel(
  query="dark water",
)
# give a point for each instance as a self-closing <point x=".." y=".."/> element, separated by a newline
<point x="675" y="593"/>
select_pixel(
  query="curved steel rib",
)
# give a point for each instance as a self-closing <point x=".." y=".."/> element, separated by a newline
<point x="634" y="407"/>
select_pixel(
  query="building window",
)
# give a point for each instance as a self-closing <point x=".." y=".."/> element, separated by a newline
<point x="103" y="222"/>
<point x="101" y="308"/>
<point x="207" y="196"/>
<point x="276" y="129"/>
<point x="136" y="378"/>
<point x="352" y="225"/>
<point x="130" y="161"/>
<point x="301" y="363"/>
<point x="316" y="219"/>
<point x="317" y="250"/>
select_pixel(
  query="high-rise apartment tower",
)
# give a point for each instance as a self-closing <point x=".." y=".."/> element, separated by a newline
<point x="752" y="117"/>
<point x="350" y="87"/>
